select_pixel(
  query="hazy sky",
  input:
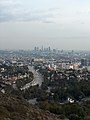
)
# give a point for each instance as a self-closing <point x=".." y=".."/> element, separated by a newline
<point x="62" y="24"/>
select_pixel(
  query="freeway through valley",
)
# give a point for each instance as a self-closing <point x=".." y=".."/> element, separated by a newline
<point x="36" y="81"/>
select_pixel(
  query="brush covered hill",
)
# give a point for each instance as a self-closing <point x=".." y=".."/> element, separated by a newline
<point x="13" y="108"/>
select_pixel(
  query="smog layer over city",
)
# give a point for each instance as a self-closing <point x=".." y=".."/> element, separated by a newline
<point x="45" y="60"/>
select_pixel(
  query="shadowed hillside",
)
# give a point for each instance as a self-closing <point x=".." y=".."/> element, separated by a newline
<point x="12" y="108"/>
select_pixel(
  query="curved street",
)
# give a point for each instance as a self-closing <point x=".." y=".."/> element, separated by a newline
<point x="37" y="79"/>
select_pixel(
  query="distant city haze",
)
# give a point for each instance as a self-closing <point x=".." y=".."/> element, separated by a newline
<point x="61" y="24"/>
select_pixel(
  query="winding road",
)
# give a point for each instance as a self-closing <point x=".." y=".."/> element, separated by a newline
<point x="36" y="81"/>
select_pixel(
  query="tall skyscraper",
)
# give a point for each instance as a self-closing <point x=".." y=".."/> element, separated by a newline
<point x="83" y="62"/>
<point x="49" y="49"/>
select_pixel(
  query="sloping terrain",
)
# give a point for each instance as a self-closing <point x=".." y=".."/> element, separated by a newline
<point x="12" y="108"/>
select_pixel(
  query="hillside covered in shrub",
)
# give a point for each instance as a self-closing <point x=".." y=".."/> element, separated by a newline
<point x="13" y="108"/>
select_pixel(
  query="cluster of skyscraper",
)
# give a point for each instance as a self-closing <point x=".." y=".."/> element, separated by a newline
<point x="85" y="62"/>
<point x="42" y="49"/>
